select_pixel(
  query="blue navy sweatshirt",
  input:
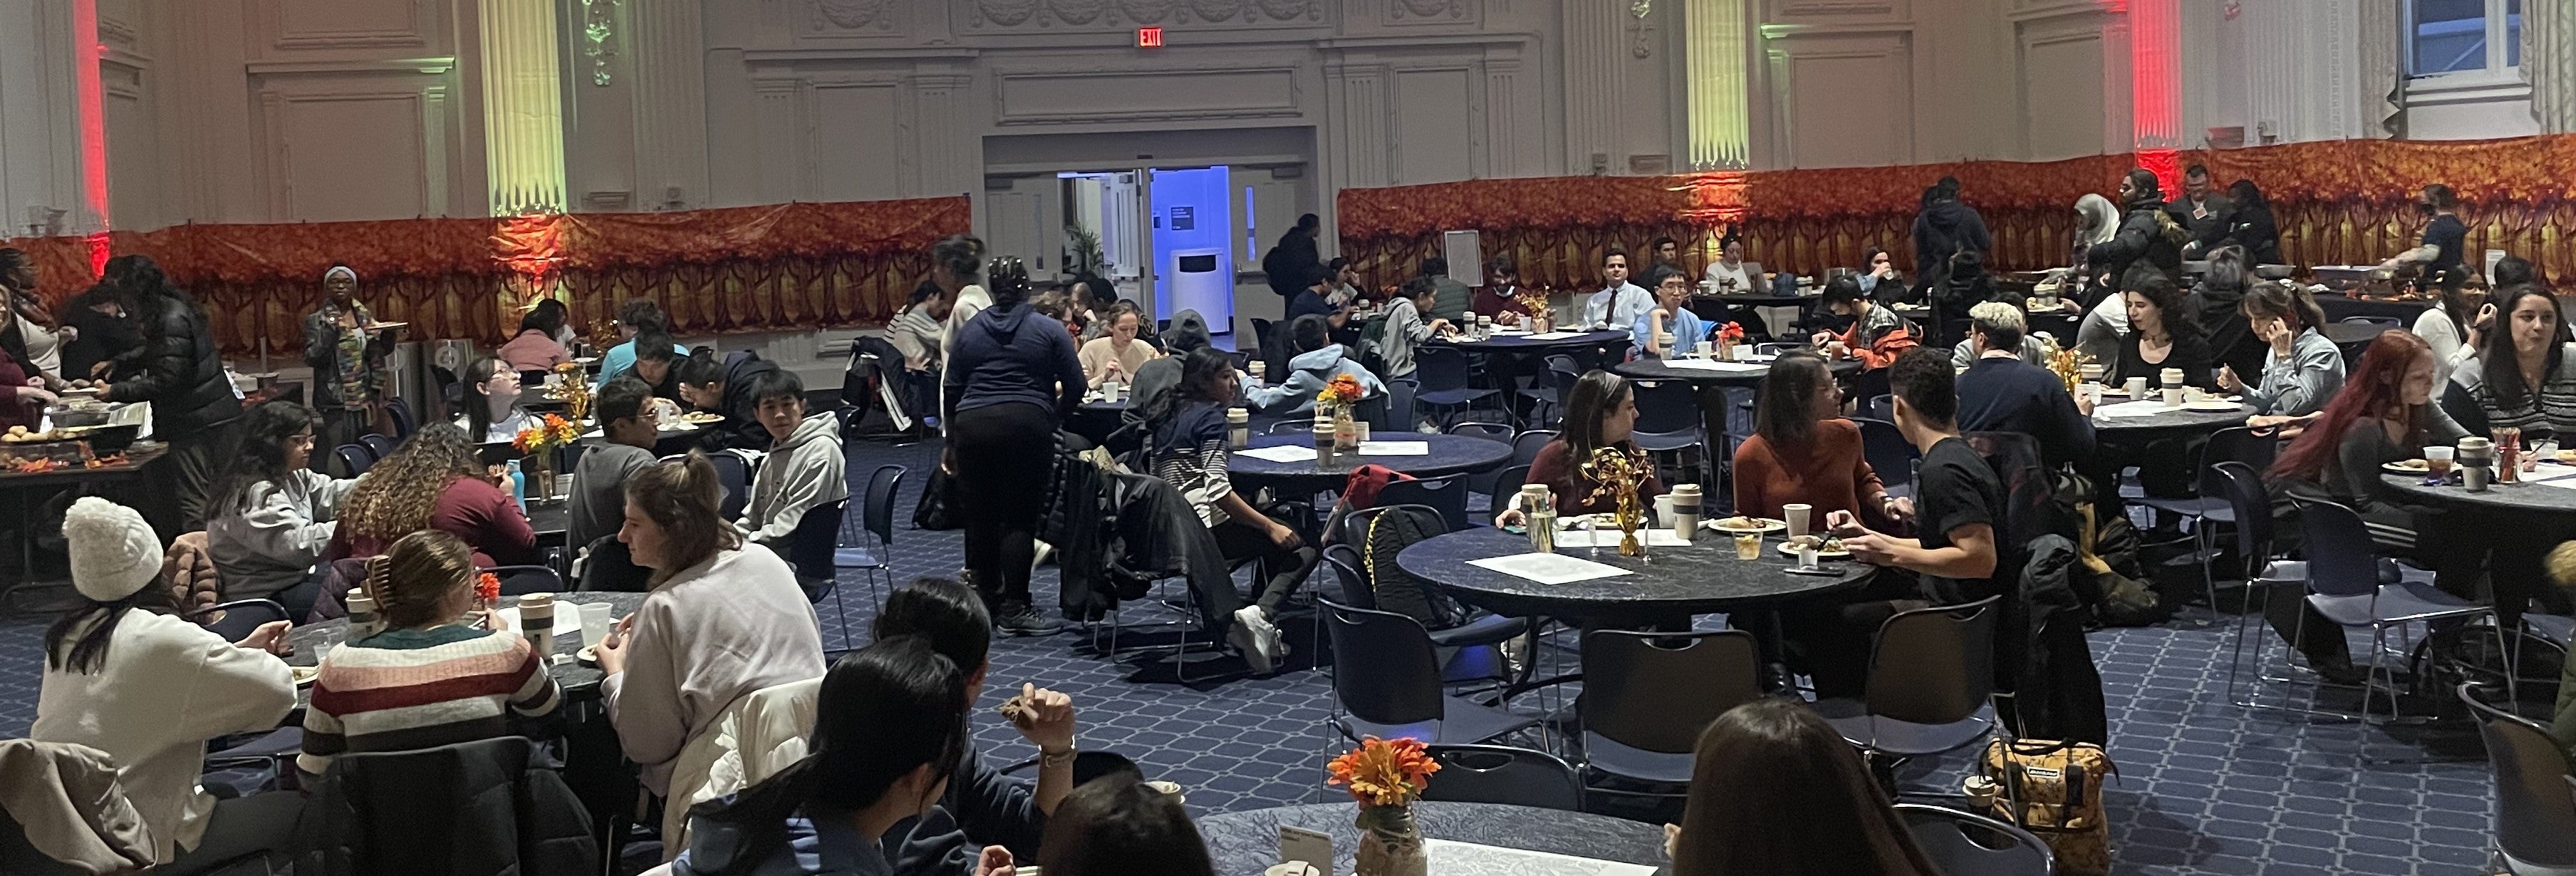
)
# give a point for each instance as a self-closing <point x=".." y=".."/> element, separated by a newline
<point x="1011" y="353"/>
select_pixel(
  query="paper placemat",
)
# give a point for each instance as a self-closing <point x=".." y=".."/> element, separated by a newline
<point x="1549" y="568"/>
<point x="2147" y="408"/>
<point x="1450" y="858"/>
<point x="1556" y="336"/>
<point x="1395" y="448"/>
<point x="1654" y="536"/>
<point x="1281" y="453"/>
<point x="1715" y="365"/>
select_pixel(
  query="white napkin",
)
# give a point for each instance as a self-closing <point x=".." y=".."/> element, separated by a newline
<point x="1281" y="453"/>
<point x="1549" y="568"/>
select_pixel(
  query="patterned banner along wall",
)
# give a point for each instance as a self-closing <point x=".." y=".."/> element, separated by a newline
<point x="770" y="268"/>
<point x="2337" y="202"/>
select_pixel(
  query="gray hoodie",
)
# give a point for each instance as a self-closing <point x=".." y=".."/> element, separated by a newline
<point x="273" y="544"/>
<point x="802" y="472"/>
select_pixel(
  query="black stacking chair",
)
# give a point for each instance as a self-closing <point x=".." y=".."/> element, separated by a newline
<point x="1647" y="696"/>
<point x="1506" y="775"/>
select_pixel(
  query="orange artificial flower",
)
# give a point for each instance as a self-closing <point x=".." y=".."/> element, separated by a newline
<point x="1384" y="772"/>
<point x="1341" y="390"/>
<point x="487" y="587"/>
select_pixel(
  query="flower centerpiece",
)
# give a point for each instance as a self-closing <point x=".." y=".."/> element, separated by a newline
<point x="1618" y="475"/>
<point x="2067" y="364"/>
<point x="538" y="441"/>
<point x="1728" y="336"/>
<point x="487" y="592"/>
<point x="571" y="387"/>
<point x="1386" y="776"/>
<point x="1334" y="403"/>
<point x="1542" y="314"/>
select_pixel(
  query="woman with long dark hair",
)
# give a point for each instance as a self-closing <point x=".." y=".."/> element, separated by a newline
<point x="125" y="675"/>
<point x="272" y="516"/>
<point x="2216" y="305"/>
<point x="1189" y="449"/>
<point x="1775" y="791"/>
<point x="1012" y="375"/>
<point x="181" y="372"/>
<point x="1600" y="413"/>
<point x="2302" y="369"/>
<point x="725" y="618"/>
<point x="2383" y="414"/>
<point x="33" y="336"/>
<point x="889" y="731"/>
<point x="2252" y="225"/>
<point x="2523" y="376"/>
<point x="2458" y="326"/>
<point x="1802" y="451"/>
<point x="492" y="414"/>
<point x="2162" y="334"/>
<point x="435" y="480"/>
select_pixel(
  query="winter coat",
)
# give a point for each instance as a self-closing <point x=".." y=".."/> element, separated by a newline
<point x="491" y="807"/>
<point x="178" y="369"/>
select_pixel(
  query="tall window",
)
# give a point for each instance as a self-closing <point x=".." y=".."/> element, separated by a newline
<point x="2463" y="36"/>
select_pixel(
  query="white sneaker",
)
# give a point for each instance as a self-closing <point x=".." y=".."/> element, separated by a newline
<point x="1257" y="639"/>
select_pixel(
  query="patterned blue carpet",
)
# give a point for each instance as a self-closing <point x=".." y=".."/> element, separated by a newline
<point x="2205" y="787"/>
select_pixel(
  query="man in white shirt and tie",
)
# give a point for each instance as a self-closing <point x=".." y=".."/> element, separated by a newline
<point x="1619" y="303"/>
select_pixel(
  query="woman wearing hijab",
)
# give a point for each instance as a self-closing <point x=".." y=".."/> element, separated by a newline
<point x="2092" y="292"/>
<point x="347" y="354"/>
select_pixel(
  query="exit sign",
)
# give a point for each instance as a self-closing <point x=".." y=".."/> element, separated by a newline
<point x="1149" y="37"/>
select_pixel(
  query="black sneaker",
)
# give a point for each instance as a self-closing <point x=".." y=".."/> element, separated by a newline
<point x="1022" y="620"/>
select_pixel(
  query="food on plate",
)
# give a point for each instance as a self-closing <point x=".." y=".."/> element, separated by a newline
<point x="2411" y="465"/>
<point x="701" y="417"/>
<point x="1822" y="544"/>
<point x="22" y="435"/>
<point x="1741" y="522"/>
<point x="109" y="461"/>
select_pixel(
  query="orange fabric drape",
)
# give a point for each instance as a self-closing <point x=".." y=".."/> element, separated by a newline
<point x="768" y="268"/>
<point x="2337" y="202"/>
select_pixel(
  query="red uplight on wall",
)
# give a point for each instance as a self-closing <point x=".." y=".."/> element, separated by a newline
<point x="1149" y="37"/>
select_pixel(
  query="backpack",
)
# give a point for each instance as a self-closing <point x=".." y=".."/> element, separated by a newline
<point x="1396" y="590"/>
<point x="1371" y="346"/>
<point x="2057" y="788"/>
<point x="2111" y="579"/>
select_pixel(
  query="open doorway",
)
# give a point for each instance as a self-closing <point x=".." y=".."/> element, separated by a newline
<point x="1173" y="231"/>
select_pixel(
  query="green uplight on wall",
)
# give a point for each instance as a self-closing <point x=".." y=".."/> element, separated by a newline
<point x="1720" y="117"/>
<point x="523" y="133"/>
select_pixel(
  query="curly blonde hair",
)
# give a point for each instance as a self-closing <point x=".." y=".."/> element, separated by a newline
<point x="397" y="495"/>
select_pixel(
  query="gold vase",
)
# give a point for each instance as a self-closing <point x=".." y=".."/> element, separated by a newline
<point x="1390" y="843"/>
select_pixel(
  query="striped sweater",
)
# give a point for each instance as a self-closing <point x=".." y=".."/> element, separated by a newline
<point x="402" y="690"/>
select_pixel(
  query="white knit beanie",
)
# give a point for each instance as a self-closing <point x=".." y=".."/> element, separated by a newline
<point x="114" y="553"/>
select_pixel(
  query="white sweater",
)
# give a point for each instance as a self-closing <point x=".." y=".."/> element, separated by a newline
<point x="723" y="628"/>
<point x="166" y="688"/>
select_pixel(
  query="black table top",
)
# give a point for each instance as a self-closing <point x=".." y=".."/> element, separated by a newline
<point x="1756" y="299"/>
<point x="1450" y="454"/>
<point x="2521" y="496"/>
<point x="136" y="462"/>
<point x="1247" y="843"/>
<point x="577" y="679"/>
<point x="2172" y="420"/>
<point x="1658" y="369"/>
<point x="1703" y="577"/>
<point x="550" y="519"/>
<point x="2337" y="307"/>
<point x="1525" y="343"/>
<point x="2346" y="334"/>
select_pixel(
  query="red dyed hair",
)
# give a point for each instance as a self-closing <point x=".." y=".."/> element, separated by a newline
<point x="2376" y="387"/>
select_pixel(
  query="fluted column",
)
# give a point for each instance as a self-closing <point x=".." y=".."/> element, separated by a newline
<point x="1720" y="117"/>
<point x="669" y="46"/>
<point x="523" y="134"/>
<point x="1596" y="50"/>
<point x="2549" y="61"/>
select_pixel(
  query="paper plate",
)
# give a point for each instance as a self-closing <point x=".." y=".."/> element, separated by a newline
<point x="2219" y="406"/>
<point x="2406" y="466"/>
<point x="1766" y="524"/>
<point x="1791" y="550"/>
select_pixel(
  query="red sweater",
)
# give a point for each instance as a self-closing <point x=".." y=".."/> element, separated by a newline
<point x="1830" y="474"/>
<point x="1555" y="466"/>
<point x="471" y="509"/>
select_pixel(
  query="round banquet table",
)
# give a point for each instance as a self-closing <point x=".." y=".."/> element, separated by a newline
<point x="1665" y="587"/>
<point x="2173" y="421"/>
<point x="1450" y="454"/>
<point x="2521" y="497"/>
<point x="1521" y="343"/>
<point x="2337" y="307"/>
<point x="1247" y="843"/>
<point x="2353" y="334"/>
<point x="578" y="680"/>
<point x="1658" y="369"/>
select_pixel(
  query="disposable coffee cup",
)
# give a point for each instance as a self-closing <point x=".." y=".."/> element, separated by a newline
<point x="595" y="621"/>
<point x="1686" y="499"/>
<point x="2173" y="396"/>
<point x="2137" y="387"/>
<point x="537" y="621"/>
<point x="2169" y="377"/>
<point x="1238" y="428"/>
<point x="1664" y="508"/>
<point x="1323" y="436"/>
<point x="1796" y="515"/>
<point x="2092" y="373"/>
<point x="1257" y="368"/>
<point x="2093" y="393"/>
<point x="2474" y="477"/>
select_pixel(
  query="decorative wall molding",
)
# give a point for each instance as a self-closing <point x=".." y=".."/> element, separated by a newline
<point x="281" y="23"/>
<point x="1060" y="16"/>
<point x="426" y="66"/>
<point x="1054" y="97"/>
<point x="425" y="109"/>
<point x="1830" y="8"/>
